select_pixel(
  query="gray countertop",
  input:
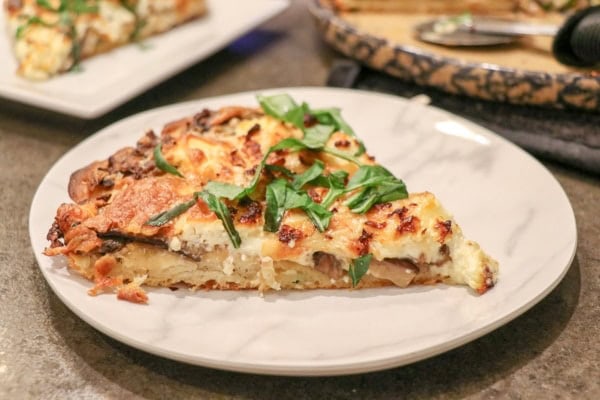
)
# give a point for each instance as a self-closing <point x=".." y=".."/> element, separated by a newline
<point x="552" y="351"/>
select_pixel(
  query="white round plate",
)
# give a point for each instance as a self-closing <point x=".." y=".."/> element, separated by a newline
<point x="503" y="199"/>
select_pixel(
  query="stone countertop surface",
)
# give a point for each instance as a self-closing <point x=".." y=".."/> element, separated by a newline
<point x="551" y="351"/>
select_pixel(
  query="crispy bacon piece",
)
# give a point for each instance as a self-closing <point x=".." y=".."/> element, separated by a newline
<point x="132" y="292"/>
<point x="409" y="224"/>
<point x="287" y="234"/>
<point x="251" y="213"/>
<point x="103" y="266"/>
<point x="444" y="229"/>
<point x="342" y="143"/>
<point x="54" y="235"/>
<point x="362" y="244"/>
<point x="376" y="225"/>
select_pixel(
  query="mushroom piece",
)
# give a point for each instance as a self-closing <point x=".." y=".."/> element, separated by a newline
<point x="399" y="271"/>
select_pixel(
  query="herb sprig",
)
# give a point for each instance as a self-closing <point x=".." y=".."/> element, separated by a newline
<point x="282" y="196"/>
<point x="163" y="164"/>
<point x="358" y="268"/>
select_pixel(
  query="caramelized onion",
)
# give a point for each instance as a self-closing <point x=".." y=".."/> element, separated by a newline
<point x="399" y="271"/>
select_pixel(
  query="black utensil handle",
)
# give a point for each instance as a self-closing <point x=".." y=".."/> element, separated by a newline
<point x="577" y="42"/>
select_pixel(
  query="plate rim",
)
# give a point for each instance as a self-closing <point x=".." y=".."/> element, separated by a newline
<point x="272" y="368"/>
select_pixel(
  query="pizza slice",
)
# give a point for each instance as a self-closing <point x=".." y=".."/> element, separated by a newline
<point x="52" y="36"/>
<point x="278" y="197"/>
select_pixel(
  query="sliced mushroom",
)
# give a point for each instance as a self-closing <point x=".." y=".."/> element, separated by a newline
<point x="328" y="264"/>
<point x="399" y="271"/>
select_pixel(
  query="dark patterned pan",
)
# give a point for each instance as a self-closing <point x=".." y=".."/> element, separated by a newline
<point x="523" y="73"/>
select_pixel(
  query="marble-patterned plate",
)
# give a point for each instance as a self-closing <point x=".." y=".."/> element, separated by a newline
<point x="502" y="197"/>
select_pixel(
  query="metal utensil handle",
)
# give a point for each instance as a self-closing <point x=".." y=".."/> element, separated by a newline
<point x="509" y="28"/>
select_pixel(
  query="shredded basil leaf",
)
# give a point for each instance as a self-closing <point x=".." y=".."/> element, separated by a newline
<point x="333" y="116"/>
<point x="309" y="175"/>
<point x="375" y="185"/>
<point x="214" y="204"/>
<point x="358" y="268"/>
<point x="283" y="107"/>
<point x="369" y="175"/>
<point x="46" y="4"/>
<point x="281" y="196"/>
<point x="139" y="22"/>
<point x="222" y="212"/>
<point x="319" y="215"/>
<point x="317" y="136"/>
<point x="166" y="216"/>
<point x="280" y="169"/>
<point x="342" y="155"/>
<point x="223" y="189"/>
<point x="275" y="200"/>
<point x="31" y="21"/>
<point x="162" y="164"/>
<point x="336" y="184"/>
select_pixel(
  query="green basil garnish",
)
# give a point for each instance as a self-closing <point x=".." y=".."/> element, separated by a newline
<point x="219" y="208"/>
<point x="275" y="197"/>
<point x="280" y="169"/>
<point x="162" y="164"/>
<point x="336" y="182"/>
<point x="309" y="175"/>
<point x="214" y="204"/>
<point x="375" y="185"/>
<point x="283" y="107"/>
<point x="166" y="216"/>
<point x="281" y="196"/>
<point x="31" y="21"/>
<point x="333" y="116"/>
<point x="223" y="189"/>
<point x="358" y="268"/>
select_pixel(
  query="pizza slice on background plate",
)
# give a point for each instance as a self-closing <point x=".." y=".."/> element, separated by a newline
<point x="52" y="36"/>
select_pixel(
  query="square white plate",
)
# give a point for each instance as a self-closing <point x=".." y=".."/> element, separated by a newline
<point x="110" y="79"/>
